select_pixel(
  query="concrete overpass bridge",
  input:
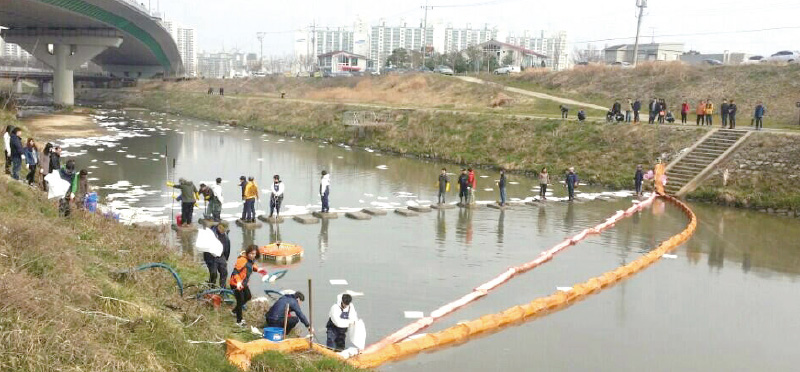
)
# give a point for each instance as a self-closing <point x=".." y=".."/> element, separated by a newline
<point x="118" y="35"/>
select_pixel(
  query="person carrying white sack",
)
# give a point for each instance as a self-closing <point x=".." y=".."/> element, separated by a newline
<point x="340" y="318"/>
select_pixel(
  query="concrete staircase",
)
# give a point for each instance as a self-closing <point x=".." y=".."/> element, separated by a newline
<point x="686" y="172"/>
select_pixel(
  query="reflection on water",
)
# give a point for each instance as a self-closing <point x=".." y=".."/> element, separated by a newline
<point x="402" y="264"/>
<point x="500" y="228"/>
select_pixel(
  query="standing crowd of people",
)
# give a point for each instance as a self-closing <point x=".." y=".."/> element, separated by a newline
<point x="659" y="112"/>
<point x="40" y="163"/>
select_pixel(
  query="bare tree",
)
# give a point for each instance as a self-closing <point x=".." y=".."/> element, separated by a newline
<point x="591" y="54"/>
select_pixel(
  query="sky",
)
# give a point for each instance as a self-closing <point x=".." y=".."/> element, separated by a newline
<point x="711" y="26"/>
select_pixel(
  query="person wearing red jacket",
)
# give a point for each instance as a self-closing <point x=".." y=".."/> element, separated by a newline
<point x="245" y="265"/>
<point x="472" y="185"/>
<point x="684" y="111"/>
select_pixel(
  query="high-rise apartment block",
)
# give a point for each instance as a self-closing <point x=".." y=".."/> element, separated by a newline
<point x="385" y="39"/>
<point x="186" y="40"/>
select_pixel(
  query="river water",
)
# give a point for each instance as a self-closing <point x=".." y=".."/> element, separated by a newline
<point x="726" y="303"/>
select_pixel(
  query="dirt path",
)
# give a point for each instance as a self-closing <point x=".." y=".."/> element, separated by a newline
<point x="529" y="93"/>
<point x="51" y="127"/>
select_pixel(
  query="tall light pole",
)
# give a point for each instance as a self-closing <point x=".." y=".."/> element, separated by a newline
<point x="425" y="32"/>
<point x="641" y="4"/>
<point x="260" y="36"/>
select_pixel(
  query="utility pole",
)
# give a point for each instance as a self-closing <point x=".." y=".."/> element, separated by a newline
<point x="425" y="32"/>
<point x="260" y="36"/>
<point x="641" y="4"/>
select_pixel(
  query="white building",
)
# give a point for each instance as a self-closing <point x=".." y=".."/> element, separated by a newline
<point x="13" y="52"/>
<point x="554" y="46"/>
<point x="341" y="61"/>
<point x="313" y="41"/>
<point x="458" y="39"/>
<point x="646" y="52"/>
<point x="361" y="33"/>
<point x="186" y="40"/>
<point x="384" y="39"/>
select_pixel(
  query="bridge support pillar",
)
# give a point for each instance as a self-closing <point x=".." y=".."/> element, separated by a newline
<point x="63" y="50"/>
<point x="18" y="86"/>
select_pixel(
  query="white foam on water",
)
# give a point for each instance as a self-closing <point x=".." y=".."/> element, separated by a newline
<point x="338" y="282"/>
<point x="413" y="314"/>
<point x="382" y="167"/>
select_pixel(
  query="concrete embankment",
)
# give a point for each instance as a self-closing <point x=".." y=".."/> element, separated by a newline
<point x="763" y="174"/>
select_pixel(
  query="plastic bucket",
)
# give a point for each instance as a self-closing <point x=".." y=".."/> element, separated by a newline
<point x="273" y="333"/>
<point x="179" y="219"/>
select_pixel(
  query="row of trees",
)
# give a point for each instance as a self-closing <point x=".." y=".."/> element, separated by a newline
<point x="472" y="59"/>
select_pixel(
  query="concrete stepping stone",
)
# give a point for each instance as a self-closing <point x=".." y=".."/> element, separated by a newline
<point x="443" y="206"/>
<point x="374" y="211"/>
<point x="306" y="219"/>
<point x="270" y="219"/>
<point x="325" y="216"/>
<point x="468" y="206"/>
<point x="211" y="223"/>
<point x="249" y="225"/>
<point x="497" y="206"/>
<point x="358" y="215"/>
<point x="185" y="229"/>
<point x="420" y="208"/>
<point x="405" y="212"/>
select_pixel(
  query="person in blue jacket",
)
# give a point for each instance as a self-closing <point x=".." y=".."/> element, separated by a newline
<point x="278" y="312"/>
<point x="758" y="116"/>
<point x="571" y="182"/>
<point x="17" y="152"/>
<point x="501" y="184"/>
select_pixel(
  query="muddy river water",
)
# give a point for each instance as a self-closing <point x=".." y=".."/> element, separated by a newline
<point x="728" y="302"/>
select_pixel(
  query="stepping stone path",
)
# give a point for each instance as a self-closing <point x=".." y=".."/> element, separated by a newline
<point x="249" y="225"/>
<point x="374" y="211"/>
<point x="358" y="215"/>
<point x="420" y="208"/>
<point x="442" y="206"/>
<point x="497" y="206"/>
<point x="306" y="219"/>
<point x="270" y="219"/>
<point x="325" y="216"/>
<point x="405" y="212"/>
<point x="210" y="223"/>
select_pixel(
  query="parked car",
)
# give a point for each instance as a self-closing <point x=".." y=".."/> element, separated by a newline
<point x="712" y="62"/>
<point x="785" y="56"/>
<point x="505" y="70"/>
<point x="444" y="70"/>
<point x="754" y="60"/>
<point x="621" y="64"/>
<point x="371" y="71"/>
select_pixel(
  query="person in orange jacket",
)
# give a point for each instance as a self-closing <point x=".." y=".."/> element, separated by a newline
<point x="709" y="112"/>
<point x="245" y="265"/>
<point x="701" y="112"/>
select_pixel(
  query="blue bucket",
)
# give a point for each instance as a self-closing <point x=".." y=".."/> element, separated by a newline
<point x="273" y="333"/>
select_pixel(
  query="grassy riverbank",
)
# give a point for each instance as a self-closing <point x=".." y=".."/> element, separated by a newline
<point x="602" y="154"/>
<point x="775" y="85"/>
<point x="64" y="308"/>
